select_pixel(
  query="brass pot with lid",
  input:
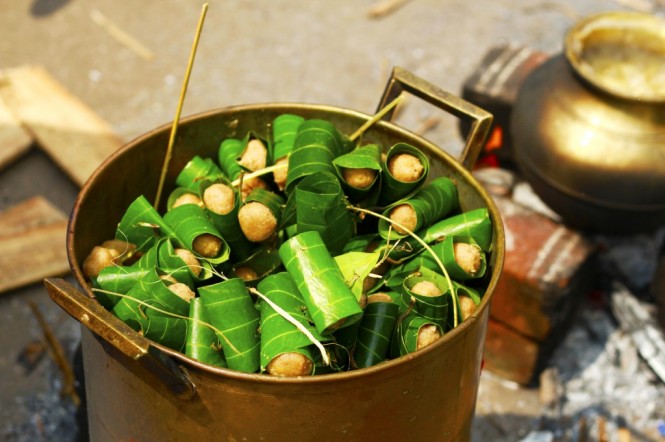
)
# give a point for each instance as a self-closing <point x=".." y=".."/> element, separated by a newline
<point x="588" y="125"/>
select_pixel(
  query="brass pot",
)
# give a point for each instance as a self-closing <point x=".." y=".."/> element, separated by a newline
<point x="588" y="125"/>
<point x="139" y="390"/>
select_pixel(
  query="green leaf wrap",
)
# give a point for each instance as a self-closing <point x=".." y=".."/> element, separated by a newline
<point x="278" y="335"/>
<point x="317" y="144"/>
<point x="168" y="331"/>
<point x="284" y="131"/>
<point x="375" y="333"/>
<point x="446" y="254"/>
<point x="142" y="225"/>
<point x="189" y="222"/>
<point x="433" y="308"/>
<point x="393" y="189"/>
<point x="431" y="203"/>
<point x="364" y="157"/>
<point x="355" y="267"/>
<point x="229" y="151"/>
<point x="330" y="301"/>
<point x="232" y="312"/>
<point x="202" y="344"/>
<point x="318" y="204"/>
<point x="405" y="338"/>
<point x="195" y="171"/>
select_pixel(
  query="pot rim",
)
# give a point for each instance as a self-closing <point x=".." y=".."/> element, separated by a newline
<point x="457" y="333"/>
<point x="629" y="27"/>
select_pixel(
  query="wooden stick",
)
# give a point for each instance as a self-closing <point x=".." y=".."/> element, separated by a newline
<point x="174" y="127"/>
<point x="120" y="35"/>
<point x="376" y="117"/>
<point x="68" y="384"/>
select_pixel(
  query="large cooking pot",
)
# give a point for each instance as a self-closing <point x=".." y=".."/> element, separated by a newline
<point x="139" y="390"/>
<point x="588" y="125"/>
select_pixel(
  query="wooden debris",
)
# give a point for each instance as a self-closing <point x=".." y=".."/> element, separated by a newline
<point x="385" y="7"/>
<point x="74" y="136"/>
<point x="32" y="239"/>
<point x="58" y="353"/>
<point x="14" y="139"/>
<point x="120" y="35"/>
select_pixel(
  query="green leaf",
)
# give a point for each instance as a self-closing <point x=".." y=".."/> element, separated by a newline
<point x="393" y="189"/>
<point x="168" y="331"/>
<point x="142" y="225"/>
<point x="318" y="204"/>
<point x="278" y="334"/>
<point x="405" y="338"/>
<point x="229" y="151"/>
<point x="317" y="144"/>
<point x="196" y="170"/>
<point x="284" y="131"/>
<point x="232" y="312"/>
<point x="445" y="252"/>
<point x="431" y="203"/>
<point x="355" y="266"/>
<point x="190" y="222"/>
<point x="202" y="343"/>
<point x="265" y="261"/>
<point x="364" y="157"/>
<point x="433" y="308"/>
<point x="375" y="333"/>
<point x="330" y="302"/>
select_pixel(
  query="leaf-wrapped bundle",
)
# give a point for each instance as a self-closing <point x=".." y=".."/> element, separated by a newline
<point x="232" y="312"/>
<point x="394" y="189"/>
<point x="202" y="344"/>
<point x="196" y="170"/>
<point x="359" y="172"/>
<point x="375" y="333"/>
<point x="407" y="332"/>
<point x="330" y="301"/>
<point x="142" y="225"/>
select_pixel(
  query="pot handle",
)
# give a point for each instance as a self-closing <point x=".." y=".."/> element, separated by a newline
<point x="481" y="120"/>
<point x="91" y="314"/>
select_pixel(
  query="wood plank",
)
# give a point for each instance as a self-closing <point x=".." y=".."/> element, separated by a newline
<point x="75" y="137"/>
<point x="33" y="212"/>
<point x="14" y="139"/>
<point x="32" y="255"/>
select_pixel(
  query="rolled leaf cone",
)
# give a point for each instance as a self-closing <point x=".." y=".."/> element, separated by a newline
<point x="232" y="312"/>
<point x="167" y="258"/>
<point x="445" y="252"/>
<point x="330" y="301"/>
<point x="318" y="204"/>
<point x="189" y="222"/>
<point x="393" y="189"/>
<point x="153" y="291"/>
<point x="375" y="333"/>
<point x="168" y="331"/>
<point x="271" y="200"/>
<point x="431" y="203"/>
<point x="196" y="170"/>
<point x="474" y="225"/>
<point x="433" y="308"/>
<point x="284" y="131"/>
<point x="278" y="335"/>
<point x="345" y="338"/>
<point x="364" y="157"/>
<point x="228" y="226"/>
<point x="229" y="151"/>
<point x="405" y="337"/>
<point x="462" y="290"/>
<point x="317" y="144"/>
<point x="202" y="344"/>
<point x="142" y="225"/>
<point x="177" y="193"/>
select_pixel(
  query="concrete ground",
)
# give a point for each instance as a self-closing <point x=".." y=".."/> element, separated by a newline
<point x="250" y="52"/>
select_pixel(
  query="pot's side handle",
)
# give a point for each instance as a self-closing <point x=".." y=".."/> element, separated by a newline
<point x="92" y="315"/>
<point x="402" y="80"/>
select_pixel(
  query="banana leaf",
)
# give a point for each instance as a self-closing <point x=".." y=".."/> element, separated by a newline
<point x="317" y="144"/>
<point x="444" y="251"/>
<point x="229" y="151"/>
<point x="471" y="226"/>
<point x="232" y="312"/>
<point x="433" y="308"/>
<point x="345" y="340"/>
<point x="271" y="200"/>
<point x="355" y="266"/>
<point x="284" y="131"/>
<point x="462" y="290"/>
<point x="405" y="337"/>
<point x="163" y="255"/>
<point x="360" y="243"/>
<point x="142" y="225"/>
<point x="264" y="261"/>
<point x="318" y="204"/>
<point x="278" y="334"/>
<point x="330" y="302"/>
<point x="202" y="343"/>
<point x="228" y="226"/>
<point x="364" y="157"/>
<point x="393" y="189"/>
<point x="168" y="331"/>
<point x="375" y="333"/>
<point x="189" y="222"/>
<point x="153" y="291"/>
<point x="431" y="203"/>
<point x="196" y="170"/>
